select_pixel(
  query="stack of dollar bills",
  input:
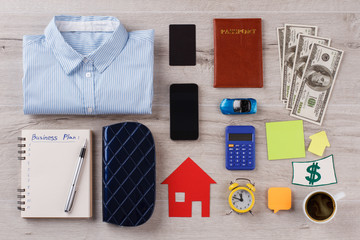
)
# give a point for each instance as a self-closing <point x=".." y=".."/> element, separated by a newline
<point x="308" y="68"/>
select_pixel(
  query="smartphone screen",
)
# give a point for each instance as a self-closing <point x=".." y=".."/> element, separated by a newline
<point x="184" y="112"/>
<point x="182" y="45"/>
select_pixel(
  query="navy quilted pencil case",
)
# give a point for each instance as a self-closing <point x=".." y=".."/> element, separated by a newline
<point x="128" y="174"/>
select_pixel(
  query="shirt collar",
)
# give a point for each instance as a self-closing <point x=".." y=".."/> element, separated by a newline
<point x="102" y="57"/>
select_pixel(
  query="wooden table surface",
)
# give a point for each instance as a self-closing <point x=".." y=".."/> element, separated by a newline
<point x="339" y="20"/>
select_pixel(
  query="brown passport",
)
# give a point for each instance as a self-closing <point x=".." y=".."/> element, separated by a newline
<point x="238" y="53"/>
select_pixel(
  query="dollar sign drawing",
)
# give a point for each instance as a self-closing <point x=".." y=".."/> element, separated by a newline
<point x="314" y="175"/>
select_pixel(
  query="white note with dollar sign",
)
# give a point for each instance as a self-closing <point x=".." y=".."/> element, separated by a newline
<point x="314" y="173"/>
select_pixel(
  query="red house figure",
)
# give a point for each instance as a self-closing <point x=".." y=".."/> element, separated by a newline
<point x="186" y="184"/>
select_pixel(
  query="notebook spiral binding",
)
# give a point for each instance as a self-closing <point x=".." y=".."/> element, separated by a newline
<point x="21" y="191"/>
<point x="21" y="145"/>
<point x="21" y="197"/>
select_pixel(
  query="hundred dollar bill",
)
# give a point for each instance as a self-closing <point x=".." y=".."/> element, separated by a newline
<point x="302" y="52"/>
<point x="291" y="34"/>
<point x="280" y="38"/>
<point x="317" y="83"/>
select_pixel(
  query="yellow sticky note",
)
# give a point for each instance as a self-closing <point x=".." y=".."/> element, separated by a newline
<point x="285" y="140"/>
<point x="279" y="198"/>
<point x="319" y="142"/>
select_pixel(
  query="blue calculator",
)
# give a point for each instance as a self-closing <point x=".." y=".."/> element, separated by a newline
<point x="240" y="147"/>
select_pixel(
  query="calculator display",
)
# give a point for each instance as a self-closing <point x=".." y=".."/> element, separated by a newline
<point x="240" y="137"/>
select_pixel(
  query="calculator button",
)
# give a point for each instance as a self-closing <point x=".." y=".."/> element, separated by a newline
<point x="237" y="153"/>
<point x="237" y="164"/>
<point x="249" y="163"/>
<point x="243" y="153"/>
<point x="243" y="161"/>
<point x="236" y="149"/>
<point x="243" y="149"/>
<point x="231" y="149"/>
<point x="243" y="156"/>
<point x="243" y="164"/>
<point x="237" y="156"/>
<point x="250" y="153"/>
<point x="237" y="145"/>
<point x="237" y="160"/>
<point x="230" y="157"/>
<point x="231" y="145"/>
<point x="249" y="145"/>
<point x="230" y="164"/>
<point x="243" y="145"/>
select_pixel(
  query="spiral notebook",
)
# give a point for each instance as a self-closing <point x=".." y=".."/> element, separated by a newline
<point x="48" y="162"/>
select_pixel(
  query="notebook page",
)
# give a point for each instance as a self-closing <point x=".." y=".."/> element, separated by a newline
<point x="47" y="172"/>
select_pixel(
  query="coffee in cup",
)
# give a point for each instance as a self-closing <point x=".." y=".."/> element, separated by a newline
<point x="320" y="206"/>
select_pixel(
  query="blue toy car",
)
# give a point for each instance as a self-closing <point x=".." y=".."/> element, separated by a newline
<point x="238" y="106"/>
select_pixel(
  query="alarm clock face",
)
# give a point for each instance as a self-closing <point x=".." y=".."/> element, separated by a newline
<point x="242" y="200"/>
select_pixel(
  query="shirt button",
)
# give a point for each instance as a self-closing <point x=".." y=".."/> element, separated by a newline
<point x="88" y="74"/>
<point x="85" y="60"/>
<point x="89" y="110"/>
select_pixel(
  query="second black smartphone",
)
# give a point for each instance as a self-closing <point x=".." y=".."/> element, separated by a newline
<point x="184" y="112"/>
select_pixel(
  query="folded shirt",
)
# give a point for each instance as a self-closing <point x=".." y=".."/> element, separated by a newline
<point x="88" y="65"/>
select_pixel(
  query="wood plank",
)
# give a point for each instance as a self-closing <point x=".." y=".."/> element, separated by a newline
<point x="88" y="7"/>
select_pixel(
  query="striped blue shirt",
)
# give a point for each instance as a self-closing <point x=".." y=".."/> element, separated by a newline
<point x="88" y="65"/>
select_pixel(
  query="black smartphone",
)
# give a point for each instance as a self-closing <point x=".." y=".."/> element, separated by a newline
<point x="184" y="112"/>
<point x="182" y="45"/>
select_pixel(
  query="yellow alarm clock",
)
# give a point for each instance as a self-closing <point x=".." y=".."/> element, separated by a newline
<point x="241" y="198"/>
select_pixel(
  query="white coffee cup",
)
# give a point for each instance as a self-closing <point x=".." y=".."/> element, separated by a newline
<point x="324" y="194"/>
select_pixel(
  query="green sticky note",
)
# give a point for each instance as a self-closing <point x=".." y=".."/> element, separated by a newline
<point x="285" y="140"/>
